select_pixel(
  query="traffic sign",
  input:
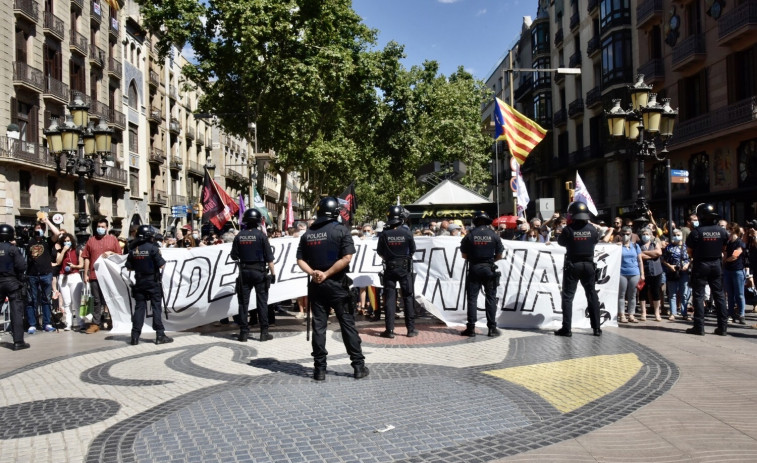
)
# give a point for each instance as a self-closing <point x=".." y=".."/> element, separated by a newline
<point x="679" y="173"/>
<point x="514" y="184"/>
<point x="513" y="163"/>
<point x="179" y="211"/>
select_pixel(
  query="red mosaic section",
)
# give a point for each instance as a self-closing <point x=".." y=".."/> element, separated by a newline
<point x="427" y="335"/>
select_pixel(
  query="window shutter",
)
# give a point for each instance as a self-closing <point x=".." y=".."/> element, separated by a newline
<point x="14" y="111"/>
<point x="33" y="132"/>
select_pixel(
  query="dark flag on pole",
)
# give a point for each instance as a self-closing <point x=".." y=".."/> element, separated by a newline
<point x="348" y="203"/>
<point x="218" y="206"/>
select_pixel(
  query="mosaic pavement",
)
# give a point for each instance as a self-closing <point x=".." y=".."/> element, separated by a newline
<point x="436" y="397"/>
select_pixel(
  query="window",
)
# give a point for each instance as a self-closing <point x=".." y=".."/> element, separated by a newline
<point x="77" y="78"/>
<point x="542" y="78"/>
<point x="614" y="13"/>
<point x="26" y="117"/>
<point x="94" y="84"/>
<point x="742" y="75"/>
<point x="134" y="139"/>
<point x="617" y="64"/>
<point x="22" y="38"/>
<point x="699" y="173"/>
<point x="133" y="97"/>
<point x="52" y="61"/>
<point x="134" y="183"/>
<point x="543" y="108"/>
<point x="692" y="96"/>
<point x="540" y="38"/>
<point x="693" y="19"/>
<point x="655" y="42"/>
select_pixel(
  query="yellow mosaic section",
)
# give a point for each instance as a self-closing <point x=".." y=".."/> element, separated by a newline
<point x="571" y="384"/>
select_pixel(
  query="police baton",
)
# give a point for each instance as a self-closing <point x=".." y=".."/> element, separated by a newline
<point x="307" y="320"/>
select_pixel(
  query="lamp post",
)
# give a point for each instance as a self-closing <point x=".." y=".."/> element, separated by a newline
<point x="79" y="139"/>
<point x="642" y="124"/>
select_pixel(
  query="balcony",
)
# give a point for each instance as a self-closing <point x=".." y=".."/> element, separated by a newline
<point x="113" y="29"/>
<point x="28" y="77"/>
<point x="593" y="47"/>
<point x="576" y="108"/>
<point x="78" y="3"/>
<point x="117" y="119"/>
<point x="96" y="56"/>
<point x="112" y="175"/>
<point x="200" y="139"/>
<point x="648" y="13"/>
<point x="172" y="92"/>
<point x="25" y="153"/>
<point x="704" y="126"/>
<point x="592" y="7"/>
<point x="155" y="115"/>
<point x="176" y="163"/>
<point x="101" y="110"/>
<point x="154" y="79"/>
<point x="157" y="156"/>
<point x="26" y="9"/>
<point x="190" y="133"/>
<point x="689" y="53"/>
<point x="55" y="90"/>
<point x="543" y="82"/>
<point x="174" y="127"/>
<point x="195" y="168"/>
<point x="558" y="37"/>
<point x="560" y="118"/>
<point x="540" y="49"/>
<point x="158" y="198"/>
<point x="53" y="26"/>
<point x="559" y="78"/>
<point x="80" y="93"/>
<point x="96" y="15"/>
<point x="575" y="60"/>
<point x="574" y="22"/>
<point x="594" y="97"/>
<point x="178" y="200"/>
<point x="78" y="43"/>
<point x="654" y="71"/>
<point x="115" y="69"/>
<point x="738" y="28"/>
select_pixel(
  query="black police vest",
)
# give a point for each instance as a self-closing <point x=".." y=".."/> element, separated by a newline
<point x="707" y="242"/>
<point x="321" y="246"/>
<point x="251" y="246"/>
<point x="140" y="259"/>
<point x="481" y="246"/>
<point x="395" y="244"/>
<point x="579" y="242"/>
<point x="7" y="261"/>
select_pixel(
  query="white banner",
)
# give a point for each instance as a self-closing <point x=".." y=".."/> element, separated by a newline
<point x="198" y="283"/>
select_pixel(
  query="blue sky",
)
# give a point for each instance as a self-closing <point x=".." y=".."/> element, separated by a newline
<point x="473" y="33"/>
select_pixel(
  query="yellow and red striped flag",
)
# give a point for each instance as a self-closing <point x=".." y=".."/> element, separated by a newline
<point x="521" y="133"/>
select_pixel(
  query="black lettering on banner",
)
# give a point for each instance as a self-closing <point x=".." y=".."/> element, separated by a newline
<point x="192" y="269"/>
<point x="224" y="278"/>
<point x="544" y="264"/>
<point x="125" y="280"/>
<point x="442" y="284"/>
<point x="514" y="267"/>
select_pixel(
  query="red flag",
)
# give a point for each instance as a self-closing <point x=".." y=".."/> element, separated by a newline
<point x="348" y="204"/>
<point x="218" y="206"/>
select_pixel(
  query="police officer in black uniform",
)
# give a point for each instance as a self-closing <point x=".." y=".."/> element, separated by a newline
<point x="145" y="260"/>
<point x="396" y="247"/>
<point x="253" y="251"/>
<point x="481" y="248"/>
<point x="579" y="238"/>
<point x="705" y="246"/>
<point x="12" y="268"/>
<point x="324" y="253"/>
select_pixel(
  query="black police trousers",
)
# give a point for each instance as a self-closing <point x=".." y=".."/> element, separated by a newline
<point x="322" y="297"/>
<point x="248" y="279"/>
<point x="147" y="290"/>
<point x="572" y="273"/>
<point x="482" y="275"/>
<point x="704" y="273"/>
<point x="11" y="288"/>
<point x="405" y="279"/>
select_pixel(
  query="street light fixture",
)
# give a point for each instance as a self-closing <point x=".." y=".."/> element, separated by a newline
<point x="645" y="121"/>
<point x="81" y="142"/>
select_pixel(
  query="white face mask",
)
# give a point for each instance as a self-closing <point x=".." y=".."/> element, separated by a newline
<point x="532" y="239"/>
<point x="695" y="223"/>
<point x="67" y="244"/>
<point x="626" y="238"/>
<point x="195" y="235"/>
<point x="677" y="238"/>
<point x="646" y="238"/>
<point x="100" y="231"/>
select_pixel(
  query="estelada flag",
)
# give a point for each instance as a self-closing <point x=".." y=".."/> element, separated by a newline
<point x="521" y="133"/>
<point x="348" y="203"/>
<point x="217" y="205"/>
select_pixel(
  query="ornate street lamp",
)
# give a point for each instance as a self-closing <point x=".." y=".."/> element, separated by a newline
<point x="641" y="125"/>
<point x="80" y="141"/>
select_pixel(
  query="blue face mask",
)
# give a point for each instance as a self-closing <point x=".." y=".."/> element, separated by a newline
<point x="695" y="223"/>
<point x="100" y="231"/>
<point x="676" y="238"/>
<point x="532" y="239"/>
<point x="646" y="238"/>
<point x="67" y="244"/>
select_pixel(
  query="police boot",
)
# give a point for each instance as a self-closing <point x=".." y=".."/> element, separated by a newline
<point x="597" y="332"/>
<point x="493" y="332"/>
<point x="387" y="334"/>
<point x="163" y="339"/>
<point x="21" y="345"/>
<point x="696" y="331"/>
<point x="319" y="374"/>
<point x="563" y="332"/>
<point x="243" y="336"/>
<point x="264" y="336"/>
<point x="134" y="339"/>
<point x="720" y="331"/>
<point x="470" y="331"/>
<point x="361" y="372"/>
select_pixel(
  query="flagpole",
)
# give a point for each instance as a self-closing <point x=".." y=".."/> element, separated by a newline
<point x="215" y="187"/>
<point x="512" y="103"/>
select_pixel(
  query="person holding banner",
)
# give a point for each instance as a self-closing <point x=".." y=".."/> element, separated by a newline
<point x="396" y="247"/>
<point x="145" y="260"/>
<point x="255" y="256"/>
<point x="324" y="253"/>
<point x="481" y="248"/>
<point x="579" y="238"/>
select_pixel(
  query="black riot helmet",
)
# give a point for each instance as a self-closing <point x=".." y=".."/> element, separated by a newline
<point x="578" y="210"/>
<point x="328" y="207"/>
<point x="481" y="218"/>
<point x="7" y="233"/>
<point x="144" y="233"/>
<point x="707" y="213"/>
<point x="252" y="218"/>
<point x="395" y="215"/>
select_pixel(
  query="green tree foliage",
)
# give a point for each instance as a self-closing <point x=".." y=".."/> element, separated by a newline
<point x="334" y="108"/>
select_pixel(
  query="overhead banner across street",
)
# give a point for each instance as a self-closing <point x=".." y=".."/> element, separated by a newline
<point x="198" y="283"/>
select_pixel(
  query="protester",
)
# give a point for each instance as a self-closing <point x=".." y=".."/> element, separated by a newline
<point x="676" y="263"/>
<point x="631" y="272"/>
<point x="734" y="275"/>
<point x="650" y="256"/>
<point x="40" y="256"/>
<point x="100" y="244"/>
<point x="69" y="282"/>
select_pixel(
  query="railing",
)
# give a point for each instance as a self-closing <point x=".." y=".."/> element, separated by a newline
<point x="25" y="152"/>
<point x="575" y="59"/>
<point x="740" y="16"/>
<point x="176" y="162"/>
<point x="73" y="93"/>
<point x="25" y="199"/>
<point x="157" y="155"/>
<point x="79" y="3"/>
<point x="114" y="67"/>
<point x="56" y="88"/>
<point x="78" y="42"/>
<point x="727" y="117"/>
<point x="22" y="72"/>
<point x="574" y="21"/>
<point x="54" y="25"/>
<point x="28" y="8"/>
<point x="543" y="81"/>
<point x="593" y="46"/>
<point x="155" y="115"/>
<point x="560" y="117"/>
<point x="96" y="10"/>
<point x="194" y="168"/>
<point x="190" y="133"/>
<point x="111" y="175"/>
<point x="689" y="47"/>
<point x="647" y="10"/>
<point x="593" y="97"/>
<point x="576" y="107"/>
<point x="200" y="139"/>
<point x="174" y="127"/>
<point x="99" y="109"/>
<point x="96" y="55"/>
<point x="113" y="29"/>
<point x="653" y="69"/>
<point x="154" y="78"/>
<point x="558" y="37"/>
<point x="158" y="197"/>
<point x="117" y="118"/>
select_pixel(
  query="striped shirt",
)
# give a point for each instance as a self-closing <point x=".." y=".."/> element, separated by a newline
<point x="96" y="247"/>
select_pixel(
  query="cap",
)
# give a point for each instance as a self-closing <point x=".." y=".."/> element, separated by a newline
<point x="453" y="226"/>
<point x="521" y="220"/>
<point x="187" y="227"/>
<point x="354" y="232"/>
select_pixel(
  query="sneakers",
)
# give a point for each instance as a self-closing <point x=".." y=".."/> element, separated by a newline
<point x="32" y="330"/>
<point x="92" y="329"/>
<point x="361" y="372"/>
<point x="672" y="318"/>
<point x="49" y="328"/>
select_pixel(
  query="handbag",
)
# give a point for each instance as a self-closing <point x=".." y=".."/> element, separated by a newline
<point x="84" y="306"/>
<point x="640" y="285"/>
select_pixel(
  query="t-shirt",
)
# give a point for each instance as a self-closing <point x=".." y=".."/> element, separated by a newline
<point x="629" y="263"/>
<point x="39" y="256"/>
<point x="730" y="248"/>
<point x="95" y="248"/>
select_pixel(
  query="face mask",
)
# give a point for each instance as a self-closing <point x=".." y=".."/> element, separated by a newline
<point x="67" y="244"/>
<point x="695" y="223"/>
<point x="366" y="233"/>
<point x="677" y="238"/>
<point x="532" y="239"/>
<point x="195" y="235"/>
<point x="646" y="238"/>
<point x="559" y="228"/>
<point x="100" y="231"/>
<point x="626" y="238"/>
<point x="40" y="233"/>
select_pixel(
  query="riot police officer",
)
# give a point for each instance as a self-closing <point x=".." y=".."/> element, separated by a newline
<point x="253" y="252"/>
<point x="396" y="247"/>
<point x="145" y="260"/>
<point x="12" y="268"/>
<point x="579" y="238"/>
<point x="705" y="246"/>
<point x="481" y="248"/>
<point x="324" y="253"/>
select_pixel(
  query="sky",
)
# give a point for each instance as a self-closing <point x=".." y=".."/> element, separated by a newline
<point x="475" y="34"/>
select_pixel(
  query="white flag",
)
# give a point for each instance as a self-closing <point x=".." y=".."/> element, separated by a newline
<point x="523" y="198"/>
<point x="581" y="193"/>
